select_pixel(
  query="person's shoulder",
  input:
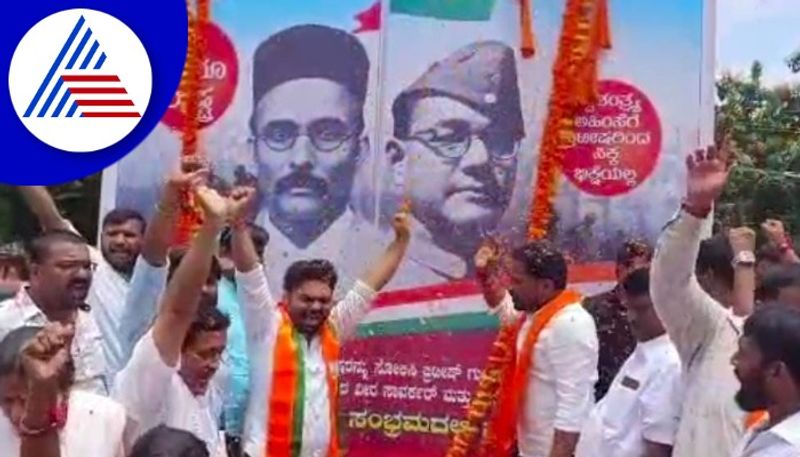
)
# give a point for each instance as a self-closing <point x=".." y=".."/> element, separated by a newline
<point x="574" y="317"/>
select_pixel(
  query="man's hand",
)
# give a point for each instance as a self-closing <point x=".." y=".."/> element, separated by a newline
<point x="488" y="256"/>
<point x="742" y="239"/>
<point x="708" y="172"/>
<point x="193" y="172"/>
<point x="774" y="231"/>
<point x="215" y="207"/>
<point x="240" y="202"/>
<point x="401" y="222"/>
<point x="45" y="358"/>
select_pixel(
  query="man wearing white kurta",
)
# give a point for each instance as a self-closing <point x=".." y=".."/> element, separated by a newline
<point x="559" y="393"/>
<point x="307" y="302"/>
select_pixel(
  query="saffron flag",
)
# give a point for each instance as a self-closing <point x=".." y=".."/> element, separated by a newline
<point x="451" y="10"/>
<point x="369" y="20"/>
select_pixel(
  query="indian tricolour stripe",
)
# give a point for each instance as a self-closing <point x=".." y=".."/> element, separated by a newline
<point x="457" y="306"/>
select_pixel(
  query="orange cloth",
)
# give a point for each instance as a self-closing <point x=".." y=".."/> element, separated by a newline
<point x="285" y="424"/>
<point x="503" y="426"/>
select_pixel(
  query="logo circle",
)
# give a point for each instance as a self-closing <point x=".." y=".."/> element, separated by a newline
<point x="80" y="80"/>
<point x="617" y="141"/>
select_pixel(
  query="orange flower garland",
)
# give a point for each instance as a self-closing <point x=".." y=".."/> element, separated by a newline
<point x="190" y="217"/>
<point x="585" y="32"/>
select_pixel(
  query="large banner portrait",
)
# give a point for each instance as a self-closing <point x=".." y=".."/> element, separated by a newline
<point x="338" y="112"/>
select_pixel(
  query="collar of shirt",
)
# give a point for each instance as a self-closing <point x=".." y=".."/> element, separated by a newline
<point x="29" y="311"/>
<point x="788" y="430"/>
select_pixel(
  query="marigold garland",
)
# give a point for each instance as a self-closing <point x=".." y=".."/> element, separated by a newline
<point x="190" y="217"/>
<point x="585" y="31"/>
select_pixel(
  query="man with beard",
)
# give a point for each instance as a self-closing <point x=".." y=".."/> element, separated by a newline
<point x="294" y="345"/>
<point x="767" y="365"/>
<point x="457" y="132"/>
<point x="309" y="87"/>
<point x="172" y="376"/>
<point x="123" y="281"/>
<point x="549" y="393"/>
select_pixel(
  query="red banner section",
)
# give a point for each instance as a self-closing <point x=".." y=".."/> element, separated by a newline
<point x="405" y="395"/>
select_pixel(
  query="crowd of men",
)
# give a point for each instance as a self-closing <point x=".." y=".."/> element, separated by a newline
<point x="143" y="349"/>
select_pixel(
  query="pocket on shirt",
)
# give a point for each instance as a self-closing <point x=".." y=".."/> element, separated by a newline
<point x="619" y="408"/>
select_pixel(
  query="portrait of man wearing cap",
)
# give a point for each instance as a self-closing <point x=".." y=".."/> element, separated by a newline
<point x="307" y="125"/>
<point x="457" y="130"/>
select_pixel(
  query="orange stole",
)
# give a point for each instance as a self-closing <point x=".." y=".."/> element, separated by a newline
<point x="286" y="401"/>
<point x="502" y="429"/>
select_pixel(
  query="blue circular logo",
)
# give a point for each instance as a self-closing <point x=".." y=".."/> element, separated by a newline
<point x="87" y="82"/>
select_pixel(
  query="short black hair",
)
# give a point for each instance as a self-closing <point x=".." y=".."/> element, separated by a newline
<point x="39" y="247"/>
<point x="775" y="329"/>
<point x="309" y="270"/>
<point x="207" y="319"/>
<point x="258" y="234"/>
<point x="120" y="216"/>
<point x="544" y="261"/>
<point x="770" y="253"/>
<point x="716" y="256"/>
<point x="166" y="441"/>
<point x="777" y="278"/>
<point x="11" y="348"/>
<point x="176" y="256"/>
<point x="637" y="283"/>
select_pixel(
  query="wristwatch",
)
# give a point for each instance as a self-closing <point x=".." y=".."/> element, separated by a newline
<point x="744" y="259"/>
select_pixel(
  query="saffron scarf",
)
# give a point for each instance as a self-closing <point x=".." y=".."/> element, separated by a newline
<point x="502" y="429"/>
<point x="287" y="396"/>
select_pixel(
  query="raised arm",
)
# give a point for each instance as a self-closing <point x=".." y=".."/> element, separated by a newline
<point x="44" y="208"/>
<point x="182" y="297"/>
<point x="743" y="243"/>
<point x="382" y="271"/>
<point x="259" y="308"/>
<point x="689" y="314"/>
<point x="158" y="236"/>
<point x="349" y="312"/>
<point x="44" y="360"/>
<point x="150" y="272"/>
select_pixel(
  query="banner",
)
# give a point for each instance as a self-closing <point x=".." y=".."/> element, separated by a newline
<point x="338" y="111"/>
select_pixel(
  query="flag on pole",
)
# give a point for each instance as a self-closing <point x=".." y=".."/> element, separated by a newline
<point x="451" y="10"/>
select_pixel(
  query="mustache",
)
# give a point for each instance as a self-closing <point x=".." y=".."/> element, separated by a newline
<point x="79" y="283"/>
<point x="301" y="180"/>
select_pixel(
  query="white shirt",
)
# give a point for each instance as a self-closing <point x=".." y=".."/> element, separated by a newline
<point x="87" y="344"/>
<point x="153" y="394"/>
<point x="782" y="440"/>
<point x="706" y="337"/>
<point x="123" y="310"/>
<point x="642" y="404"/>
<point x="95" y="427"/>
<point x="560" y="391"/>
<point x="262" y="321"/>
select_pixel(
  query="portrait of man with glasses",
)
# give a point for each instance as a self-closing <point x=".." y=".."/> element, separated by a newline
<point x="457" y="131"/>
<point x="308" y="139"/>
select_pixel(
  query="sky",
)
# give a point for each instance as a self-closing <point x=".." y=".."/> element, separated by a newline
<point x="766" y="30"/>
